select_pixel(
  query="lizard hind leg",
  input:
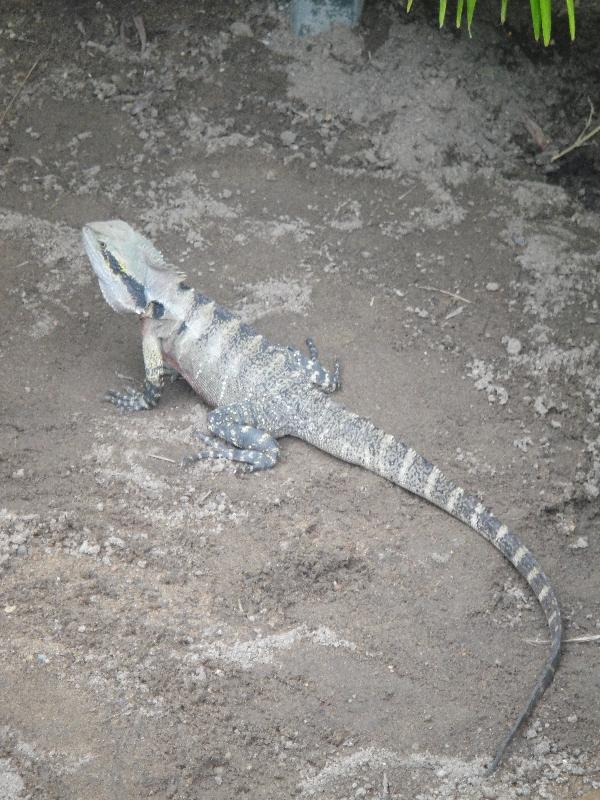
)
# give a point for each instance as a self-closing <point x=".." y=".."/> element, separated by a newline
<point x="236" y="437"/>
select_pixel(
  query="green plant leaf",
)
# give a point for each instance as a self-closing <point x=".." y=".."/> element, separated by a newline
<point x="535" y="18"/>
<point x="546" y="15"/>
<point x="459" y="12"/>
<point x="442" y="12"/>
<point x="571" y="15"/>
<point x="503" y="10"/>
<point x="470" y="12"/>
<point x="409" y="6"/>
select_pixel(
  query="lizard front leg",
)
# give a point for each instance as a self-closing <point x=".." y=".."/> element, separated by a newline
<point x="313" y="369"/>
<point x="155" y="372"/>
<point x="238" y="425"/>
<point x="326" y="381"/>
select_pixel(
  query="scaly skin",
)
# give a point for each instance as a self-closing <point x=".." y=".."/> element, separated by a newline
<point x="260" y="392"/>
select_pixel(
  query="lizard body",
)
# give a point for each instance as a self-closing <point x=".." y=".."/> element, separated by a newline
<point x="260" y="392"/>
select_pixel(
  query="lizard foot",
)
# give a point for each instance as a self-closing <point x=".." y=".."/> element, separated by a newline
<point x="253" y="459"/>
<point x="133" y="400"/>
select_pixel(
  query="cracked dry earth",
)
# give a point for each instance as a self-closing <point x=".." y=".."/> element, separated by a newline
<point x="310" y="631"/>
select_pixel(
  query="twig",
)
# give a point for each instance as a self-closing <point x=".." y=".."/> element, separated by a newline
<point x="443" y="291"/>
<point x="585" y="135"/>
<point x="592" y="637"/>
<point x="20" y="88"/>
<point x="386" y="785"/>
<point x="140" y="28"/>
<point x="162" y="458"/>
<point x="407" y="192"/>
<point x="205" y="496"/>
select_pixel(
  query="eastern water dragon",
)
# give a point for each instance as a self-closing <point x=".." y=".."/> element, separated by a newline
<point x="261" y="391"/>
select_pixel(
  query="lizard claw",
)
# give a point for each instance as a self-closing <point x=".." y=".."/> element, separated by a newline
<point x="130" y="399"/>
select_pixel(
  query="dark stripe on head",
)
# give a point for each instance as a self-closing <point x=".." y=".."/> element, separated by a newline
<point x="158" y="310"/>
<point x="183" y="286"/>
<point x="135" y="288"/>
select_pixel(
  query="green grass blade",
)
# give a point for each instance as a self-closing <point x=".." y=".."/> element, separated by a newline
<point x="470" y="12"/>
<point x="571" y="15"/>
<point x="442" y="13"/>
<point x="503" y="10"/>
<point x="459" y="12"/>
<point x="546" y="15"/>
<point x="409" y="6"/>
<point x="535" y="18"/>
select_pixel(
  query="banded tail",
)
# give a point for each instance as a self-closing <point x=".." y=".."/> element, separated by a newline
<point x="354" y="439"/>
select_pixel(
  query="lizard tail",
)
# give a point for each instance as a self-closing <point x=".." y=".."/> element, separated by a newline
<point x="354" y="439"/>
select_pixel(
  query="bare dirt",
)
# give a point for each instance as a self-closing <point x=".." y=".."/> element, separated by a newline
<point x="310" y="631"/>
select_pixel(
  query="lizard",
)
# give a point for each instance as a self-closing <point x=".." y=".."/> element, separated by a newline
<point x="260" y="392"/>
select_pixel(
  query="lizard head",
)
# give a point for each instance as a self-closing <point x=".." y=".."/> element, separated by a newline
<point x="127" y="265"/>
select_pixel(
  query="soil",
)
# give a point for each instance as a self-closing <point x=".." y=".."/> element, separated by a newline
<point x="310" y="631"/>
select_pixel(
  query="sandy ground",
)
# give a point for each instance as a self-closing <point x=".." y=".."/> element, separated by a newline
<point x="310" y="631"/>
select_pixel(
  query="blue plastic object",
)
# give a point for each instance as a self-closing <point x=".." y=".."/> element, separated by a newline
<point x="309" y="17"/>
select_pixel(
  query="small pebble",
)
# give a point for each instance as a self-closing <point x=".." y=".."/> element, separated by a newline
<point x="88" y="549"/>
<point x="492" y="286"/>
<point x="288" y="138"/>
<point x="580" y="544"/>
<point x="241" y="29"/>
<point x="513" y="346"/>
<point x="572" y="718"/>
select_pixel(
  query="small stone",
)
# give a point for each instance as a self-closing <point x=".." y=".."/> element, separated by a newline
<point x="492" y="286"/>
<point x="540" y="405"/>
<point x="18" y="473"/>
<point x="530" y="733"/>
<point x="288" y="138"/>
<point x="513" y="346"/>
<point x="581" y="543"/>
<point x="42" y="658"/>
<point x="241" y="29"/>
<point x="572" y="718"/>
<point x="542" y="748"/>
<point x="88" y="549"/>
<point x="271" y="175"/>
<point x="591" y="490"/>
<point x="488" y="793"/>
<point x="115" y="541"/>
